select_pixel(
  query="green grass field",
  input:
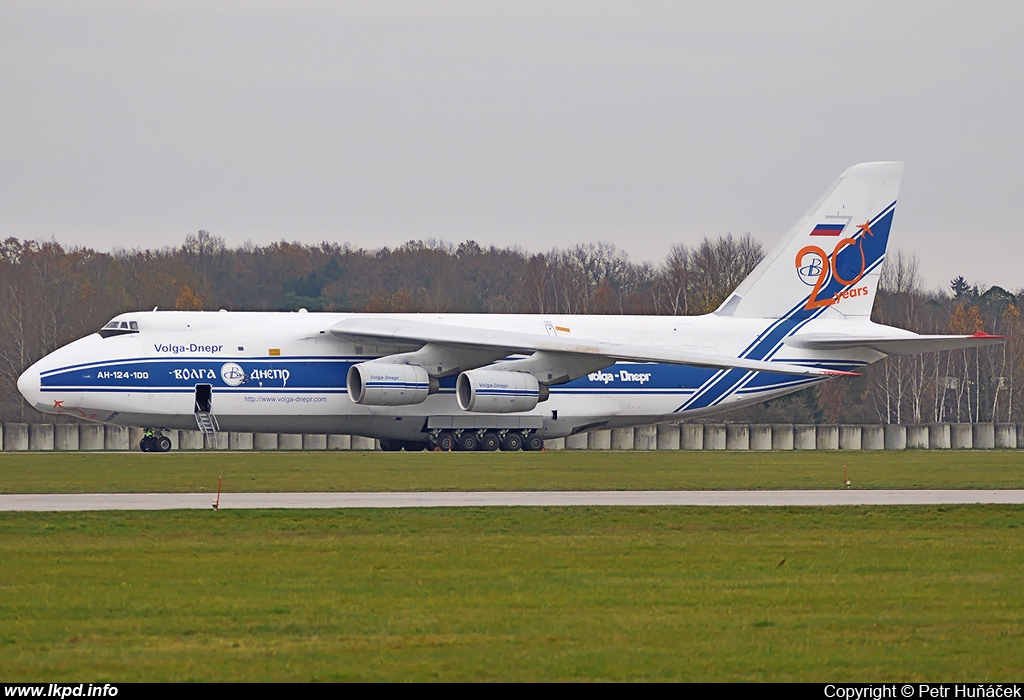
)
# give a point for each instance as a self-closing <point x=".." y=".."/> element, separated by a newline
<point x="374" y="471"/>
<point x="826" y="594"/>
<point x="921" y="593"/>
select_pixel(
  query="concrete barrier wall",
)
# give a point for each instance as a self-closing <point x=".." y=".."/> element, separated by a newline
<point x="938" y="436"/>
<point x="40" y="436"/>
<point x="65" y="437"/>
<point x="1006" y="436"/>
<point x="984" y="436"/>
<point x="314" y="442"/>
<point x="872" y="437"/>
<point x="737" y="436"/>
<point x="917" y="437"/>
<point x="599" y="440"/>
<point x="576" y="442"/>
<point x="289" y="441"/>
<point x="804" y="437"/>
<point x="190" y="440"/>
<point x="896" y="437"/>
<point x="90" y="437"/>
<point x="363" y="443"/>
<point x="15" y="437"/>
<point x="760" y="437"/>
<point x="714" y="436"/>
<point x="239" y="441"/>
<point x="961" y="437"/>
<point x="668" y="436"/>
<point x="850" y="437"/>
<point x="622" y="439"/>
<point x="645" y="437"/>
<point x="339" y="442"/>
<point x="691" y="436"/>
<point x="826" y="437"/>
<point x="264" y="441"/>
<point x="782" y="436"/>
<point x="115" y="438"/>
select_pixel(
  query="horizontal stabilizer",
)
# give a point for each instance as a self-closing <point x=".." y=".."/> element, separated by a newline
<point x="893" y="345"/>
<point x="383" y="330"/>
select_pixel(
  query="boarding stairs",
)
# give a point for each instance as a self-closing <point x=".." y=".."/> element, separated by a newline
<point x="208" y="426"/>
<point x="205" y="419"/>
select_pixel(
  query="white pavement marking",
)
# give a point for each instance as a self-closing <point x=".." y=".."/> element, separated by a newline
<point x="453" y="499"/>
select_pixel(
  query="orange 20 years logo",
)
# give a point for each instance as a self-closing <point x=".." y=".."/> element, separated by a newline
<point x="817" y="269"/>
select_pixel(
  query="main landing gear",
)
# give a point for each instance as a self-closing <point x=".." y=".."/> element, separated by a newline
<point x="485" y="441"/>
<point x="155" y="441"/>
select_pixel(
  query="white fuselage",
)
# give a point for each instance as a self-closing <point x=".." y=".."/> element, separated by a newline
<point x="286" y="372"/>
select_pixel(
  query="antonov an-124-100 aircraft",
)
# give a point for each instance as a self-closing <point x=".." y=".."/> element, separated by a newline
<point x="484" y="382"/>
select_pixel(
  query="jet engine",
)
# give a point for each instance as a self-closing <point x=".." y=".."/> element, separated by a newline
<point x="496" y="391"/>
<point x="383" y="384"/>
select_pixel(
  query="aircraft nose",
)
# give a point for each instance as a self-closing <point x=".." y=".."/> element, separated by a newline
<point x="28" y="385"/>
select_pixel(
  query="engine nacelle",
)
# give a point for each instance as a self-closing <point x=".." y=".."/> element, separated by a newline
<point x="495" y="391"/>
<point x="383" y="384"/>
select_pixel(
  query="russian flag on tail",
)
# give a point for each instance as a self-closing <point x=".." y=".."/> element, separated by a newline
<point x="831" y="226"/>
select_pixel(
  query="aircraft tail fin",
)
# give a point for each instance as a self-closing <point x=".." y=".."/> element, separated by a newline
<point x="829" y="263"/>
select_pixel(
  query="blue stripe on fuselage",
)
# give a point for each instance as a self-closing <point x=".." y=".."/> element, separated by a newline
<point x="327" y="375"/>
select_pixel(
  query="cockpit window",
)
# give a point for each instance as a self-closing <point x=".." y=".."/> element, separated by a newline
<point x="119" y="328"/>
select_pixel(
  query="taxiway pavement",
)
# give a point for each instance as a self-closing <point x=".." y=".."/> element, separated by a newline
<point x="461" y="499"/>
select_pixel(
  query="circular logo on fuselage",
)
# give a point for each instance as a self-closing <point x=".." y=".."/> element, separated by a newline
<point x="232" y="374"/>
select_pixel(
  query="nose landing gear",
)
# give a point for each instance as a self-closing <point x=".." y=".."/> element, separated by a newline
<point x="155" y="441"/>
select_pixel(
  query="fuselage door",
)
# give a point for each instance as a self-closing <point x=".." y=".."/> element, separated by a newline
<point x="204" y="398"/>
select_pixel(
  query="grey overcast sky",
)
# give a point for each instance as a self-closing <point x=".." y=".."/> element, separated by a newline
<point x="133" y="124"/>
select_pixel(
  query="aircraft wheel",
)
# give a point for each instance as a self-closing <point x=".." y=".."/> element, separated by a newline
<point x="163" y="444"/>
<point x="532" y="443"/>
<point x="145" y="445"/>
<point x="489" y="442"/>
<point x="468" y="441"/>
<point x="445" y="441"/>
<point x="512" y="442"/>
<point x="390" y="446"/>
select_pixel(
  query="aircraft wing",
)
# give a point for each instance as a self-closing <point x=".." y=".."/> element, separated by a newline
<point x="893" y="345"/>
<point x="396" y="331"/>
